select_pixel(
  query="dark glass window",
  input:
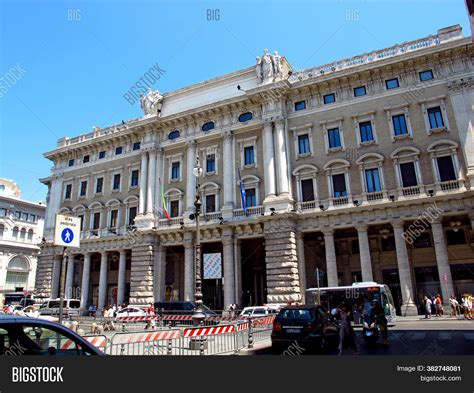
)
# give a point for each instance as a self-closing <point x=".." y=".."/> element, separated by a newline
<point x="373" y="180"/>
<point x="436" y="118"/>
<point x="303" y="144"/>
<point x="446" y="168"/>
<point x="71" y="162"/>
<point x="86" y="159"/>
<point x="462" y="271"/>
<point x="67" y="194"/>
<point x="81" y="217"/>
<point x="245" y="117"/>
<point x="360" y="91"/>
<point x="208" y="126"/>
<point x="329" y="98"/>
<point x="423" y="240"/>
<point x="355" y="246"/>
<point x="249" y="156"/>
<point x="408" y="173"/>
<point x="455" y="237"/>
<point x="132" y="213"/>
<point x="391" y="83"/>
<point x="99" y="185"/>
<point x="101" y="155"/>
<point x="134" y="178"/>
<point x="334" y="138"/>
<point x="96" y="221"/>
<point x="210" y="203"/>
<point x="113" y="218"/>
<point x="173" y="135"/>
<point x="399" y="124"/>
<point x="118" y="150"/>
<point x="339" y="185"/>
<point x="174" y="208"/>
<point x="175" y="170"/>
<point x="307" y="190"/>
<point x="210" y="163"/>
<point x="388" y="244"/>
<point x="116" y="183"/>
<point x="366" y="134"/>
<point x="83" y="190"/>
<point x="250" y="197"/>
<point x="300" y="105"/>
<point x="426" y="75"/>
<point x="136" y="146"/>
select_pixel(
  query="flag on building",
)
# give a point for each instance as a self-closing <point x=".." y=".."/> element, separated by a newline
<point x="242" y="193"/>
<point x="163" y="199"/>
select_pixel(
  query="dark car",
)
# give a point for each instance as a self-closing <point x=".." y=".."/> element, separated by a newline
<point x="35" y="336"/>
<point x="309" y="327"/>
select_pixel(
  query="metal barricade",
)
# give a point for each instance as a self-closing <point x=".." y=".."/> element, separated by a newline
<point x="156" y="342"/>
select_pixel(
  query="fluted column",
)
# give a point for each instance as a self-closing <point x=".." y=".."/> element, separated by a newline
<point x="143" y="182"/>
<point x="442" y="260"/>
<point x="364" y="253"/>
<point x="238" y="270"/>
<point x="228" y="166"/>
<point x="301" y="262"/>
<point x="69" y="277"/>
<point x="190" y="178"/>
<point x="281" y="159"/>
<point x="406" y="287"/>
<point x="103" y="281"/>
<point x="188" y="270"/>
<point x="121" y="277"/>
<point x="159" y="270"/>
<point x="55" y="278"/>
<point x="269" y="160"/>
<point x="151" y="180"/>
<point x="86" y="274"/>
<point x="331" y="261"/>
<point x="229" y="272"/>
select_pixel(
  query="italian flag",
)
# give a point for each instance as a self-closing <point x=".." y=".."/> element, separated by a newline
<point x="163" y="199"/>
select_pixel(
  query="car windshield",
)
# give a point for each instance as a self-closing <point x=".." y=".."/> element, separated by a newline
<point x="300" y="314"/>
<point x="259" y="311"/>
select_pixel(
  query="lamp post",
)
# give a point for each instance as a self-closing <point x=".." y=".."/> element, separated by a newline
<point x="198" y="315"/>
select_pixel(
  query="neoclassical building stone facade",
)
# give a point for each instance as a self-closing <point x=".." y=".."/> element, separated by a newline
<point x="362" y="168"/>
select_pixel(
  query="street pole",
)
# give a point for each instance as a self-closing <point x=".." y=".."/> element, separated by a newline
<point x="62" y="284"/>
<point x="317" y="281"/>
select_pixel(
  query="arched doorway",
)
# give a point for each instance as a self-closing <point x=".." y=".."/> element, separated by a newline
<point x="17" y="274"/>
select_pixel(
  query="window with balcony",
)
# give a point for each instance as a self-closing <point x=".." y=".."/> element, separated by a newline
<point x="132" y="213"/>
<point x="113" y="219"/>
<point x="307" y="190"/>
<point x="174" y="208"/>
<point x="446" y="168"/>
<point x="95" y="220"/>
<point x="250" y="197"/>
<point x="339" y="185"/>
<point x="408" y="174"/>
<point x="134" y="178"/>
<point x="81" y="220"/>
<point x="372" y="180"/>
<point x="210" y="203"/>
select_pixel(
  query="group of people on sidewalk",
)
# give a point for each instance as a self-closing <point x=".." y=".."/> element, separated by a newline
<point x="434" y="305"/>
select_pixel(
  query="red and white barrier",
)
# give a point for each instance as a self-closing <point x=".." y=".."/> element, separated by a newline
<point x="98" y="341"/>
<point x="136" y="319"/>
<point x="208" y="331"/>
<point x="127" y="338"/>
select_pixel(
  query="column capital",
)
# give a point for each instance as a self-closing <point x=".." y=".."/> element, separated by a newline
<point x="327" y="231"/>
<point x="299" y="235"/>
<point x="267" y="126"/>
<point x="279" y="123"/>
<point x="397" y="223"/>
<point x="190" y="143"/>
<point x="123" y="252"/>
<point x="227" y="135"/>
<point x="362" y="227"/>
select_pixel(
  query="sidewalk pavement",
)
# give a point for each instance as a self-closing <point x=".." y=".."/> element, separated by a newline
<point x="433" y="318"/>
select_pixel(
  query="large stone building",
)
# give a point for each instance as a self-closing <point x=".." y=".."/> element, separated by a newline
<point x="363" y="168"/>
<point x="21" y="230"/>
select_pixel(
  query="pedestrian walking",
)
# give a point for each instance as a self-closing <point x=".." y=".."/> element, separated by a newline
<point x="454" y="306"/>
<point x="347" y="336"/>
<point x="467" y="306"/>
<point x="427" y="302"/>
<point x="439" y="305"/>
<point x="377" y="314"/>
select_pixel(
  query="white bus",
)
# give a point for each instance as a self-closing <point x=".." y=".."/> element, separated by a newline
<point x="356" y="297"/>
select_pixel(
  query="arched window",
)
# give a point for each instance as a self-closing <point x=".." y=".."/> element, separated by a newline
<point x="245" y="117"/>
<point x="208" y="126"/>
<point x="173" y="135"/>
<point x="17" y="273"/>
<point x="2" y="229"/>
<point x="23" y="234"/>
<point x="15" y="233"/>
<point x="30" y="235"/>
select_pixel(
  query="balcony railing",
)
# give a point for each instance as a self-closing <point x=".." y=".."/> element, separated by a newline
<point x="340" y="201"/>
<point x="375" y="196"/>
<point x="451" y="185"/>
<point x="165" y="222"/>
<point x="308" y="205"/>
<point x="251" y="211"/>
<point x="409" y="192"/>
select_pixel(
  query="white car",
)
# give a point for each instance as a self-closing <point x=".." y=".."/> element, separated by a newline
<point x="257" y="311"/>
<point x="130" y="312"/>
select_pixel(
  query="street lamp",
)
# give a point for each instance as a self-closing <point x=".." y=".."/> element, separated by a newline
<point x="198" y="315"/>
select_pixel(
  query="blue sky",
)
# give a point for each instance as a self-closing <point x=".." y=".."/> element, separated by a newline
<point x="76" y="59"/>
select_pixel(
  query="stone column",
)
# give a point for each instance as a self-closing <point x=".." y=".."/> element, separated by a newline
<point x="229" y="272"/>
<point x="364" y="253"/>
<point x="238" y="270"/>
<point x="301" y="263"/>
<point x="269" y="160"/>
<point x="150" y="190"/>
<point x="442" y="260"/>
<point x="331" y="262"/>
<point x="190" y="178"/>
<point x="55" y="277"/>
<point x="281" y="159"/>
<point x="188" y="267"/>
<point x="143" y="183"/>
<point x="141" y="272"/>
<point x="68" y="291"/>
<point x="86" y="274"/>
<point x="103" y="281"/>
<point x="228" y="164"/>
<point x="159" y="270"/>
<point x="408" y="306"/>
<point x="121" y="277"/>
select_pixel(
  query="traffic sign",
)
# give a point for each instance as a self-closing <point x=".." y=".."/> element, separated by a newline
<point x="67" y="231"/>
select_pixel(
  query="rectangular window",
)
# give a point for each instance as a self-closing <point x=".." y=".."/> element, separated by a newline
<point x="334" y="138"/>
<point x="372" y="180"/>
<point x="210" y="203"/>
<point x="3" y="212"/>
<point x="408" y="174"/>
<point x="101" y="154"/>
<point x="446" y="168"/>
<point x="174" y="208"/>
<point x="18" y="215"/>
<point x="388" y="244"/>
<point x="436" y="118"/>
<point x="399" y="124"/>
<point x="391" y="83"/>
<point x="426" y="75"/>
<point x="113" y="218"/>
<point x="99" y="185"/>
<point x="67" y="194"/>
<point x="210" y="163"/>
<point x="83" y="190"/>
<point x="300" y="105"/>
<point x="360" y="91"/>
<point x="366" y="134"/>
<point x="71" y="162"/>
<point x="96" y="221"/>
<point x="339" y="185"/>
<point x="355" y="246"/>
<point x="86" y="159"/>
<point x="81" y="218"/>
<point x="118" y="150"/>
<point x="32" y="218"/>
<point x="250" y="197"/>
<point x="136" y="146"/>
<point x="249" y="158"/>
<point x="175" y="170"/>
<point x="454" y="238"/>
<point x="134" y="178"/>
<point x="423" y="240"/>
<point x="24" y="216"/>
<point x="132" y="213"/>
<point x="116" y="183"/>
<point x="303" y="144"/>
<point x="307" y="190"/>
<point x="329" y="98"/>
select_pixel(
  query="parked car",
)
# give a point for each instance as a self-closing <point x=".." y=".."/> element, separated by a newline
<point x="181" y="308"/>
<point x="310" y="326"/>
<point x="130" y="312"/>
<point x="51" y="307"/>
<point x="21" y="335"/>
<point x="257" y="311"/>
